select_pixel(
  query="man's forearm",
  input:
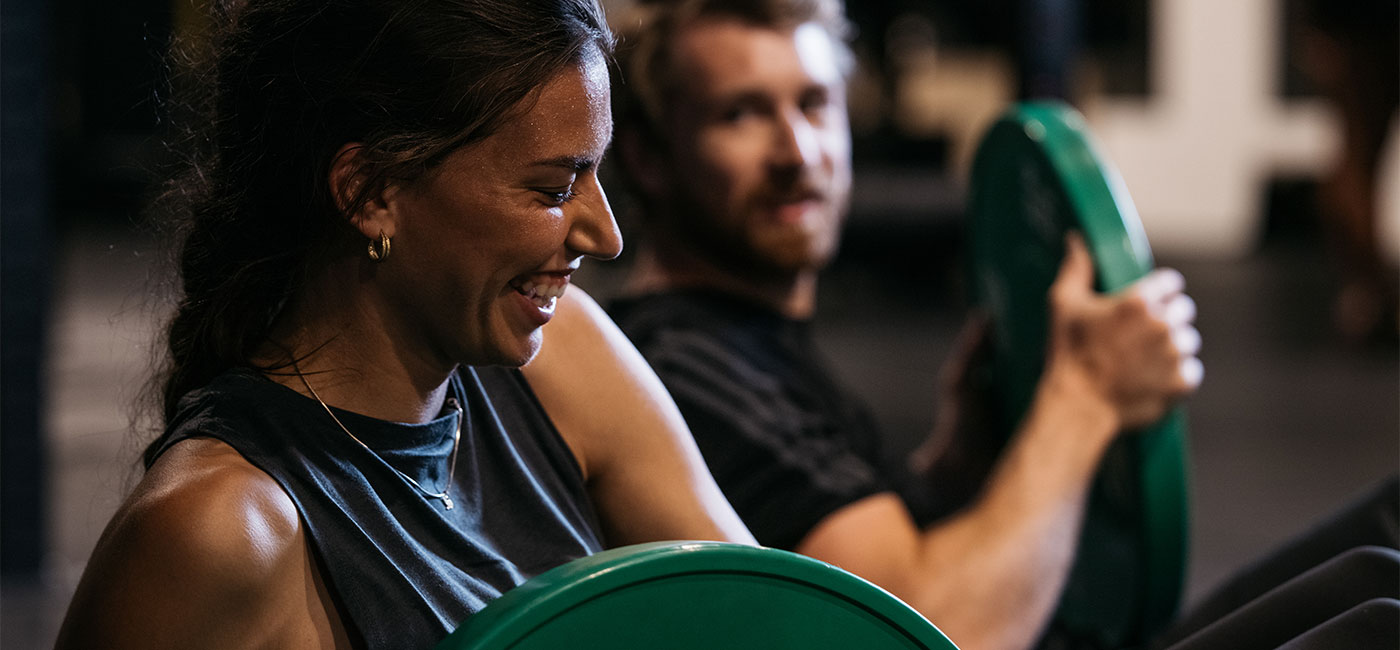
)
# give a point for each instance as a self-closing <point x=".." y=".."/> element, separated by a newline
<point x="992" y="575"/>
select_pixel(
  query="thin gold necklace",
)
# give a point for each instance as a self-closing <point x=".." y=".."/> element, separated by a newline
<point x="451" y="464"/>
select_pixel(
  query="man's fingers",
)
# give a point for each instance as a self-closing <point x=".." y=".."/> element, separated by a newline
<point x="1192" y="372"/>
<point x="1159" y="286"/>
<point x="1187" y="341"/>
<point x="1180" y="310"/>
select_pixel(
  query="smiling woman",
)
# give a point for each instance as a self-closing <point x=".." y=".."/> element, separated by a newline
<point x="526" y="204"/>
<point x="381" y="211"/>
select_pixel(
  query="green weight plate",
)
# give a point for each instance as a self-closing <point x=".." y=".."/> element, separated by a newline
<point x="1037" y="176"/>
<point x="696" y="596"/>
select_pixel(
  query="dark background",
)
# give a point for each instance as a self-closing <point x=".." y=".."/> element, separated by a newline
<point x="1291" y="418"/>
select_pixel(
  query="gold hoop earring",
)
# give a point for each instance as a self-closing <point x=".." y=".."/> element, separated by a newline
<point x="382" y="252"/>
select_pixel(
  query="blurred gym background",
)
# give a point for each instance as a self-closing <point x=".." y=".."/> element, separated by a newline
<point x="1252" y="134"/>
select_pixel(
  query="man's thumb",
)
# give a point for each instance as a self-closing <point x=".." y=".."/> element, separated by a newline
<point x="1076" y="274"/>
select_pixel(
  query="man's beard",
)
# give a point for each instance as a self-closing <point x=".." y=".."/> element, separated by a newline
<point x="762" y="252"/>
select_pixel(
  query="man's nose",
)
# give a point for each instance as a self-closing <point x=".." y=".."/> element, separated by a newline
<point x="795" y="141"/>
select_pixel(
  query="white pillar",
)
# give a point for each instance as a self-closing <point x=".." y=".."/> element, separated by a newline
<point x="1197" y="154"/>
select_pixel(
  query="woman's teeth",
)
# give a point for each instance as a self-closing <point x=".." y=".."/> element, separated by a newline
<point x="542" y="294"/>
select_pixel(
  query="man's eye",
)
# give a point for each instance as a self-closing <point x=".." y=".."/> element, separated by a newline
<point x="735" y="114"/>
<point x="739" y="112"/>
<point x="814" y="102"/>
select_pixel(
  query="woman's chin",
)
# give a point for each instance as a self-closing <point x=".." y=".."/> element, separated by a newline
<point x="522" y="352"/>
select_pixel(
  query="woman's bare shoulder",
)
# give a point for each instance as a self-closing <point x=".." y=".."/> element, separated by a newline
<point x="590" y="378"/>
<point x="204" y="500"/>
<point x="642" y="466"/>
<point x="208" y="549"/>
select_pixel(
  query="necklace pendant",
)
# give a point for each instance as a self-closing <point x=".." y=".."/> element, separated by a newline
<point x="447" y="501"/>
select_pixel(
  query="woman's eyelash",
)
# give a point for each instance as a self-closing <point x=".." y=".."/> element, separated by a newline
<point x="559" y="197"/>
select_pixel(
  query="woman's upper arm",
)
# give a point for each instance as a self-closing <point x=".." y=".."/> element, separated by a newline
<point x="642" y="466"/>
<point x="207" y="552"/>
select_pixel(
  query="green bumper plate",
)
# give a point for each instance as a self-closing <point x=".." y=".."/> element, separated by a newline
<point x="1035" y="177"/>
<point x="696" y="596"/>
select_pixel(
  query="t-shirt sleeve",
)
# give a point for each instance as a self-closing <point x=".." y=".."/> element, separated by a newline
<point x="783" y="462"/>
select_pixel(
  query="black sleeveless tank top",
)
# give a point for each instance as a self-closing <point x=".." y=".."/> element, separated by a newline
<point x="405" y="570"/>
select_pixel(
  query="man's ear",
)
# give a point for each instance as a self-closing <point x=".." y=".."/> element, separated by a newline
<point x="371" y="213"/>
<point x="645" y="163"/>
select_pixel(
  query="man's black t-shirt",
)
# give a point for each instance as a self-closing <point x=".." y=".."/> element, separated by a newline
<point x="786" y="443"/>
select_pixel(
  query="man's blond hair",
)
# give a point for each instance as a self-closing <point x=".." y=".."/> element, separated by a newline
<point x="641" y="98"/>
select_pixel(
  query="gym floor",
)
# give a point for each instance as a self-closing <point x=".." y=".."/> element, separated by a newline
<point x="1289" y="423"/>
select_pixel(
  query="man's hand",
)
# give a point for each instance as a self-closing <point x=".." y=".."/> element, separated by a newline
<point x="956" y="458"/>
<point x="1135" y="350"/>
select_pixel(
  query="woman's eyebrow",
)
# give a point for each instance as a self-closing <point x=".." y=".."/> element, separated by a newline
<point x="571" y="163"/>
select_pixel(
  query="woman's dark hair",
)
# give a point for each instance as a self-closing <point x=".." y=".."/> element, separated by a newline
<point x="276" y="90"/>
